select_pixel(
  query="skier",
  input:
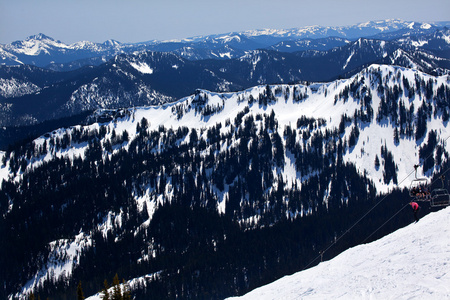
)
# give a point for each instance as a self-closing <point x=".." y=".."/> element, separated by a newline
<point x="416" y="209"/>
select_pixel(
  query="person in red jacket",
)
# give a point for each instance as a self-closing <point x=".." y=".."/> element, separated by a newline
<point x="416" y="209"/>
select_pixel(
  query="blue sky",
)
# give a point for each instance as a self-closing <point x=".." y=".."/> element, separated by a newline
<point x="144" y="20"/>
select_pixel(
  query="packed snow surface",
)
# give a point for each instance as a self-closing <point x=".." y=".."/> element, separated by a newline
<point x="411" y="263"/>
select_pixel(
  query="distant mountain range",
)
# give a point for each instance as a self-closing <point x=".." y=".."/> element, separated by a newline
<point x="43" y="51"/>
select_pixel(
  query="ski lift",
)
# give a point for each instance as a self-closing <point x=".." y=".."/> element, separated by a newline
<point x="419" y="189"/>
<point x="440" y="197"/>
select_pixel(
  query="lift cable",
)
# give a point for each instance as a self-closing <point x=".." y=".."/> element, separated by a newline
<point x="370" y="210"/>
<point x="399" y="211"/>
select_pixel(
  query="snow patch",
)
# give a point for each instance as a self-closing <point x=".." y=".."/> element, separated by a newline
<point x="348" y="60"/>
<point x="446" y="38"/>
<point x="63" y="258"/>
<point x="419" y="43"/>
<point x="142" y="67"/>
<point x="226" y="54"/>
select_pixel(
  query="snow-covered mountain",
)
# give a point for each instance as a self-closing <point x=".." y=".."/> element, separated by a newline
<point x="268" y="155"/>
<point x="365" y="29"/>
<point x="369" y="94"/>
<point x="44" y="51"/>
<point x="411" y="263"/>
<point x="268" y="37"/>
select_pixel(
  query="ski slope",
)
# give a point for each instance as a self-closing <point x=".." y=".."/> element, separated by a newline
<point x="411" y="263"/>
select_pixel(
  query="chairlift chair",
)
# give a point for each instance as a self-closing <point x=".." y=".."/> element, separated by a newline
<point x="440" y="197"/>
<point x="419" y="189"/>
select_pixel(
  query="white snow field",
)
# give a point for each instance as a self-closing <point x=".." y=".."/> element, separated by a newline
<point x="411" y="263"/>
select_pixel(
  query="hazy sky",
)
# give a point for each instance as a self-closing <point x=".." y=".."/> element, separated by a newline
<point x="143" y="20"/>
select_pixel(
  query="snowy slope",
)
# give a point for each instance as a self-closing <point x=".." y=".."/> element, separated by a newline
<point x="411" y="263"/>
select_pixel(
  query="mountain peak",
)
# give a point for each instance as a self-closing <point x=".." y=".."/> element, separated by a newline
<point x="112" y="43"/>
<point x="39" y="37"/>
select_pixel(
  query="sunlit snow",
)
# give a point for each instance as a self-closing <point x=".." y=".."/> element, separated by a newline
<point x="142" y="67"/>
<point x="411" y="263"/>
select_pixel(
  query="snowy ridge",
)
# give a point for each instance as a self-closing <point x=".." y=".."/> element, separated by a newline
<point x="342" y="31"/>
<point x="316" y="31"/>
<point x="321" y="100"/>
<point x="40" y="43"/>
<point x="411" y="263"/>
<point x="42" y="50"/>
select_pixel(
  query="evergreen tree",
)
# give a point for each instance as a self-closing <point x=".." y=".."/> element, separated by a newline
<point x="80" y="295"/>
<point x="105" y="290"/>
<point x="125" y="136"/>
<point x="193" y="137"/>
<point x="117" y="293"/>
<point x="421" y="122"/>
<point x="126" y="295"/>
<point x="396" y="136"/>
